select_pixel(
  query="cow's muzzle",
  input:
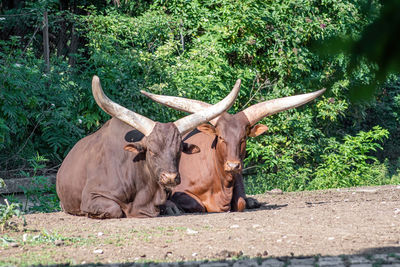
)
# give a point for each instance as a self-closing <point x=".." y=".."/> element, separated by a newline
<point x="170" y="179"/>
<point x="233" y="166"/>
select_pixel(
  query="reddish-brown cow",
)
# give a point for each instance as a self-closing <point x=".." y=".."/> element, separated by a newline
<point x="212" y="180"/>
<point x="102" y="178"/>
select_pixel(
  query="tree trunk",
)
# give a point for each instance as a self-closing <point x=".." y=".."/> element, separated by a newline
<point x="46" y="49"/>
<point x="62" y="39"/>
<point x="62" y="34"/>
<point x="73" y="48"/>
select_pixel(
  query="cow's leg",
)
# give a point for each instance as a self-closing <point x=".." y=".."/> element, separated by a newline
<point x="187" y="203"/>
<point x="146" y="203"/>
<point x="239" y="199"/>
<point x="100" y="207"/>
<point x="238" y="202"/>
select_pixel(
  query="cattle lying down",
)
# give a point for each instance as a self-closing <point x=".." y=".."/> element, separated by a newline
<point x="212" y="181"/>
<point x="105" y="176"/>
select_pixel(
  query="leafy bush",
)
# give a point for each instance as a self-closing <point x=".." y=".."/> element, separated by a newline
<point x="344" y="164"/>
<point x="35" y="113"/>
<point x="7" y="212"/>
<point x="348" y="164"/>
<point x="41" y="196"/>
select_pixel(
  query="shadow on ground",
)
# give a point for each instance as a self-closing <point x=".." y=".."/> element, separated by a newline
<point x="368" y="257"/>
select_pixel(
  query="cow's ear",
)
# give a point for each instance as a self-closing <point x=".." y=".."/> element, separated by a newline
<point x="190" y="148"/>
<point x="207" y="129"/>
<point x="135" y="148"/>
<point x="257" y="130"/>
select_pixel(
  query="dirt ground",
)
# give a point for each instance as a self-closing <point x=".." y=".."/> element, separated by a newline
<point x="330" y="222"/>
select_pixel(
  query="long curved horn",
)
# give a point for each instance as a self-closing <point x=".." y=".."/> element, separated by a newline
<point x="202" y="112"/>
<point x="258" y="111"/>
<point x="184" y="104"/>
<point x="190" y="122"/>
<point x="141" y="123"/>
<point x="178" y="103"/>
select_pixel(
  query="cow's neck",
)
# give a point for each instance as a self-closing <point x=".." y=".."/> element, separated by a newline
<point x="224" y="185"/>
<point x="225" y="179"/>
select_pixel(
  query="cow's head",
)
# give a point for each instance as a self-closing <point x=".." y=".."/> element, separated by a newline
<point x="162" y="150"/>
<point x="162" y="142"/>
<point x="232" y="131"/>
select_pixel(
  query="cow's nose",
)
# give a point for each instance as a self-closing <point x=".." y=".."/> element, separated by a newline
<point x="231" y="166"/>
<point x="169" y="178"/>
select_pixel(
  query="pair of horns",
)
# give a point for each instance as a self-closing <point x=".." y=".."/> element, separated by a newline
<point x="253" y="113"/>
<point x="146" y="125"/>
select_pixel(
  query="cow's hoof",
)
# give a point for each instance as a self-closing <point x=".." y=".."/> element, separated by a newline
<point x="169" y="208"/>
<point x="252" y="203"/>
<point x="173" y="211"/>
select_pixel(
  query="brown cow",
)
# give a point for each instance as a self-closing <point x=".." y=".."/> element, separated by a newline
<point x="105" y="176"/>
<point x="212" y="180"/>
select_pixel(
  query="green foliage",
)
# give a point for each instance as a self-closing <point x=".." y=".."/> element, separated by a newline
<point x="196" y="49"/>
<point x="41" y="196"/>
<point x="6" y="240"/>
<point x="349" y="164"/>
<point x="378" y="43"/>
<point x="44" y="237"/>
<point x="47" y="237"/>
<point x="344" y="164"/>
<point x="131" y="47"/>
<point x="7" y="212"/>
<point x="34" y="113"/>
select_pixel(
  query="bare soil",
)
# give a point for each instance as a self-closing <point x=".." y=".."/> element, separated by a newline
<point x="329" y="222"/>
